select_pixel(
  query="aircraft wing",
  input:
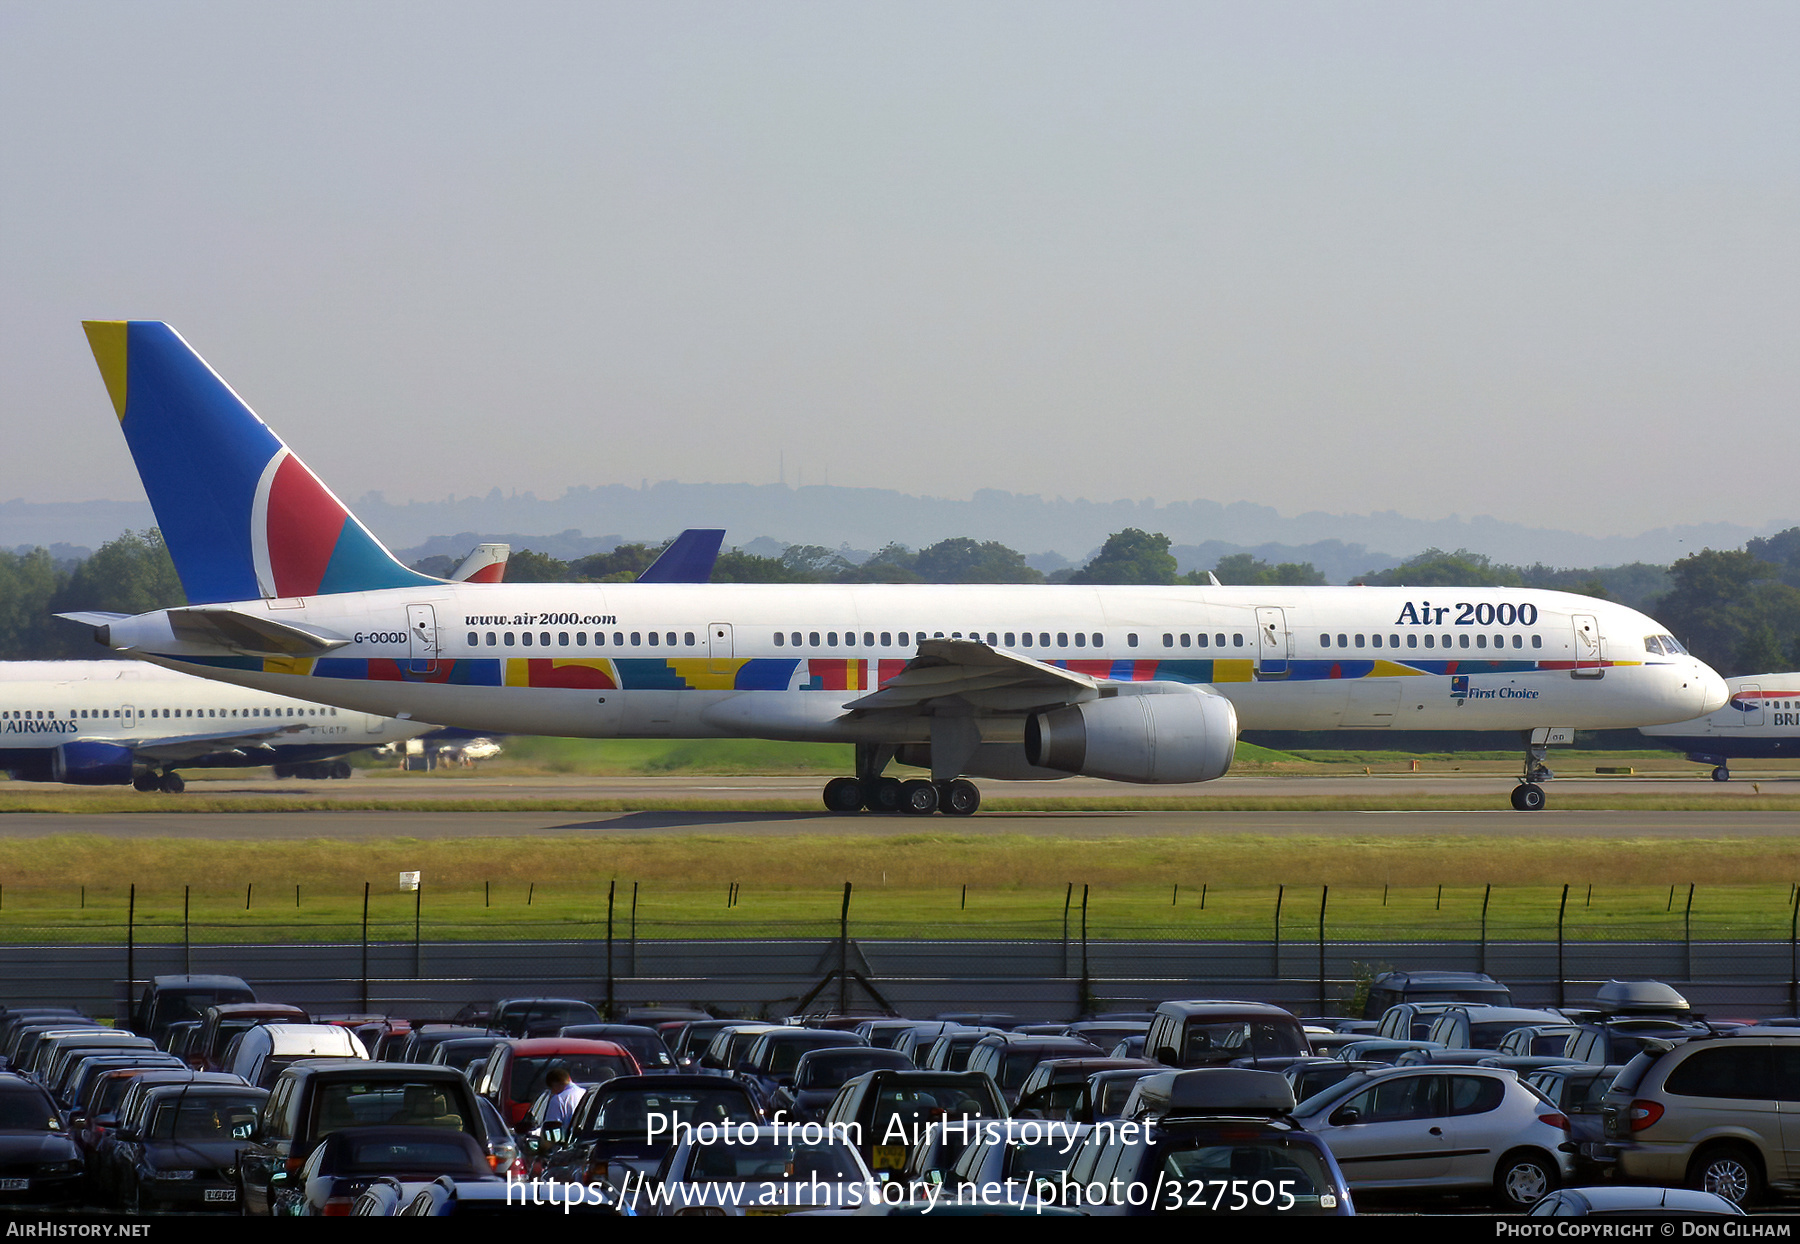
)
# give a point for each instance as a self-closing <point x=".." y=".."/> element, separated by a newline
<point x="985" y="677"/>
<point x="175" y="748"/>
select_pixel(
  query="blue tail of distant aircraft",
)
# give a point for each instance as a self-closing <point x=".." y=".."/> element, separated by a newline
<point x="242" y="516"/>
<point x="689" y="559"/>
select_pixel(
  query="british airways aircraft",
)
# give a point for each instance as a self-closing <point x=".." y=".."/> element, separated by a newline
<point x="1760" y="722"/>
<point x="291" y="594"/>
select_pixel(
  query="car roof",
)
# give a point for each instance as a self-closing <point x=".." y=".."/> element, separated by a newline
<point x="1222" y="1007"/>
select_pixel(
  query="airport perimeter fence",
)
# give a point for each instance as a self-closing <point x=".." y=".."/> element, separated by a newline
<point x="1083" y="949"/>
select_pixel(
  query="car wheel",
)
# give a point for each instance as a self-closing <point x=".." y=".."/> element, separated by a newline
<point x="1730" y="1171"/>
<point x="1523" y="1178"/>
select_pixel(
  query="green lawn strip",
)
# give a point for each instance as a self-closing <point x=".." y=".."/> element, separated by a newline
<point x="906" y="886"/>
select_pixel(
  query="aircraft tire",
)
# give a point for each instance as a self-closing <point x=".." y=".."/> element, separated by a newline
<point x="340" y="770"/>
<point x="918" y="797"/>
<point x="1721" y="774"/>
<point x="144" y="782"/>
<point x="883" y="794"/>
<point x="843" y="794"/>
<point x="172" y="784"/>
<point x="1528" y="797"/>
<point x="960" y="798"/>
<point x="283" y="772"/>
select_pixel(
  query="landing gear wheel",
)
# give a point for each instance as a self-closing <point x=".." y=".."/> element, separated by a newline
<point x="843" y="794"/>
<point x="144" y="782"/>
<point x="918" y="797"/>
<point x="1523" y="1178"/>
<point x="1721" y="774"/>
<point x="283" y="772"/>
<point x="883" y="794"/>
<point x="340" y="769"/>
<point x="1528" y="797"/>
<point x="172" y="784"/>
<point x="960" y="798"/>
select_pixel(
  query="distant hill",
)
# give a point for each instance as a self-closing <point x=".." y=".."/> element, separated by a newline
<point x="1045" y="529"/>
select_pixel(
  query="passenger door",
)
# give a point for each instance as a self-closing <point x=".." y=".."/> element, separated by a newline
<point x="1396" y="1137"/>
<point x="421" y="639"/>
<point x="719" y="647"/>
<point x="1587" y="647"/>
<point x="1274" y="644"/>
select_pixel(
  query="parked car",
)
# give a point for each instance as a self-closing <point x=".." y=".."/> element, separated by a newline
<point x="539" y="1017"/>
<point x="889" y="1110"/>
<point x="225" y="1020"/>
<point x="1208" y="1033"/>
<point x="181" y="1150"/>
<point x="1537" y="1039"/>
<point x="1709" y="1113"/>
<point x="313" y="1099"/>
<point x="1622" y="1201"/>
<point x="627" y="1125"/>
<point x="167" y="999"/>
<point x="767" y="1065"/>
<point x="644" y="1044"/>
<point x="39" y="1161"/>
<point x="1211" y="1141"/>
<point x="1620" y="1040"/>
<point x="777" y="1167"/>
<point x="1442" y="1129"/>
<point x="267" y="1050"/>
<point x="1057" y="1087"/>
<point x="1578" y="1090"/>
<point x="515" y="1072"/>
<point x="950" y="1051"/>
<point x="1392" y="988"/>
<point x="821" y="1073"/>
<point x="1010" y="1059"/>
<point x="347" y="1161"/>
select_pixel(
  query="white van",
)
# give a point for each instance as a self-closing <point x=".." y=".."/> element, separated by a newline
<point x="263" y="1051"/>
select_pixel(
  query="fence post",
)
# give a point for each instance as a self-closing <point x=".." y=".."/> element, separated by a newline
<point x="1324" y="893"/>
<point x="1485" y="892"/>
<point x="187" y="945"/>
<point x="1687" y="934"/>
<point x="1087" y="991"/>
<point x="1794" y="954"/>
<point x="365" y="948"/>
<point x="634" y="886"/>
<point x="844" y="953"/>
<point x="1279" y="890"/>
<point x="1560" y="974"/>
<point x="611" y="889"/>
<point x="418" y="902"/>
<point x="131" y="947"/>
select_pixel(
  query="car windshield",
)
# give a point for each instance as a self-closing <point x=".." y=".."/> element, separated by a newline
<point x="829" y="1161"/>
<point x="1274" y="1175"/>
<point x="831" y="1072"/>
<point x="630" y="1112"/>
<point x="1050" y="1157"/>
<point x="915" y="1105"/>
<point x="584" y="1069"/>
<point x="26" y="1109"/>
<point x="383" y="1103"/>
<point x="203" y="1117"/>
<point x="1222" y="1042"/>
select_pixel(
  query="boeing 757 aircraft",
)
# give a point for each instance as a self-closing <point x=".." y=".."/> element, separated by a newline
<point x="292" y="594"/>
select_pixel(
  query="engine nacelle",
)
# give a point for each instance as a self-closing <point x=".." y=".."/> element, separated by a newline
<point x="1153" y="732"/>
<point x="91" y="764"/>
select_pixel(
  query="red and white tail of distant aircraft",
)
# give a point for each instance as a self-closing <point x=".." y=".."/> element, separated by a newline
<point x="292" y="594"/>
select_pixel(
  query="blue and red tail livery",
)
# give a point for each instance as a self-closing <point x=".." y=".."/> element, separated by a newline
<point x="242" y="516"/>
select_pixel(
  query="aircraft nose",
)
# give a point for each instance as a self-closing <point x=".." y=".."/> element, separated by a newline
<point x="1713" y="692"/>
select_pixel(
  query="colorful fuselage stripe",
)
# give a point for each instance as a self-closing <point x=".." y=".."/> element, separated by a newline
<point x="823" y="673"/>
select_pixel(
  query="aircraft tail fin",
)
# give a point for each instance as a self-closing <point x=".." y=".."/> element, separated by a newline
<point x="688" y="560"/>
<point x="486" y="563"/>
<point x="241" y="515"/>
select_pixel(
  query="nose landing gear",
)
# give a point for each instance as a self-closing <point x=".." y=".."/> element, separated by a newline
<point x="1528" y="795"/>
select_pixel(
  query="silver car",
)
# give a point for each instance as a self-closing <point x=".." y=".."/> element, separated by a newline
<point x="1453" y="1128"/>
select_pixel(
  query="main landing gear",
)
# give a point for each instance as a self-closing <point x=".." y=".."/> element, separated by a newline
<point x="1721" y="774"/>
<point x="1528" y="795"/>
<point x="917" y="797"/>
<point x="169" y="783"/>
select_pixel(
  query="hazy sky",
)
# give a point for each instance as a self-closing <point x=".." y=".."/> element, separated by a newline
<point x="1539" y="261"/>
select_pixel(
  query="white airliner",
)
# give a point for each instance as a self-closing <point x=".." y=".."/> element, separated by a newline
<point x="106" y="723"/>
<point x="1761" y="721"/>
<point x="292" y="594"/>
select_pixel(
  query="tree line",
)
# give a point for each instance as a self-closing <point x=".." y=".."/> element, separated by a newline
<point x="1738" y="610"/>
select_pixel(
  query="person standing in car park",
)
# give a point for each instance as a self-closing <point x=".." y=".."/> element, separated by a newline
<point x="564" y="1097"/>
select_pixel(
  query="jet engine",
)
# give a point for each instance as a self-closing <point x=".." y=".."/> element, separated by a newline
<point x="1151" y="732"/>
<point x="91" y="764"/>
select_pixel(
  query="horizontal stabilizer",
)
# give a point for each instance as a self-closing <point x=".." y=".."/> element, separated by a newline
<point x="991" y="677"/>
<point x="246" y="633"/>
<point x="688" y="560"/>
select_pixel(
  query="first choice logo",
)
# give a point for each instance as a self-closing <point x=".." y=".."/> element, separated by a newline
<point x="1461" y="690"/>
<point x="1484" y="614"/>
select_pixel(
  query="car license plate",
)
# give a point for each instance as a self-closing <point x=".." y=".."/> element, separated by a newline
<point x="221" y="1194"/>
<point x="14" y="1185"/>
<point x="889" y="1157"/>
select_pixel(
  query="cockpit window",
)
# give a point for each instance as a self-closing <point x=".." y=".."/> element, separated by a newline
<point x="1672" y="646"/>
<point x="1653" y="643"/>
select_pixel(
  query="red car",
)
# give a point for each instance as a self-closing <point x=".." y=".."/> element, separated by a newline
<point x="516" y="1070"/>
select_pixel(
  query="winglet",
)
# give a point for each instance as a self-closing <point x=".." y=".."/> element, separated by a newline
<point x="688" y="560"/>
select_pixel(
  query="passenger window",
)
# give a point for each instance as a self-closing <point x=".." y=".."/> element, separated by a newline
<point x="1130" y="639"/>
<point x="619" y="639"/>
<point x="1481" y="641"/>
<point x="1448" y="644"/>
<point x="653" y="640"/>
<point x="1200" y="640"/>
<point x="562" y="639"/>
<point x="1025" y="640"/>
<point x="670" y="637"/>
<point x="796" y="640"/>
<point x="1518" y="641"/>
<point x="1080" y="640"/>
<point x="1099" y="640"/>
<point x="1343" y="641"/>
<point x="1062" y="639"/>
<point x="687" y="637"/>
<point x="1375" y="640"/>
<point x="474" y="639"/>
<point x="581" y="639"/>
<point x="490" y="639"/>
<point x="1011" y="638"/>
<point x="1187" y="641"/>
<point x="1393" y="641"/>
<point x="1463" y="641"/>
<point x="1412" y="641"/>
<point x="1043" y="639"/>
<point x="887" y="640"/>
<point x="812" y="639"/>
<point x="1359" y="641"/>
<point x="637" y="639"/>
<point x="992" y="639"/>
<point x="544" y="639"/>
<point x="525" y="638"/>
<point x="1168" y="640"/>
<point x="509" y="639"/>
<point x="869" y="639"/>
<point x="831" y="639"/>
<point x="780" y="639"/>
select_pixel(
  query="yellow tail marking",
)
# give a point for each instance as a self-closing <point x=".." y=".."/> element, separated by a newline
<point x="106" y="338"/>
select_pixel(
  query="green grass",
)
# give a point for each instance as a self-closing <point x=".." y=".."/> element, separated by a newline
<point x="904" y="886"/>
